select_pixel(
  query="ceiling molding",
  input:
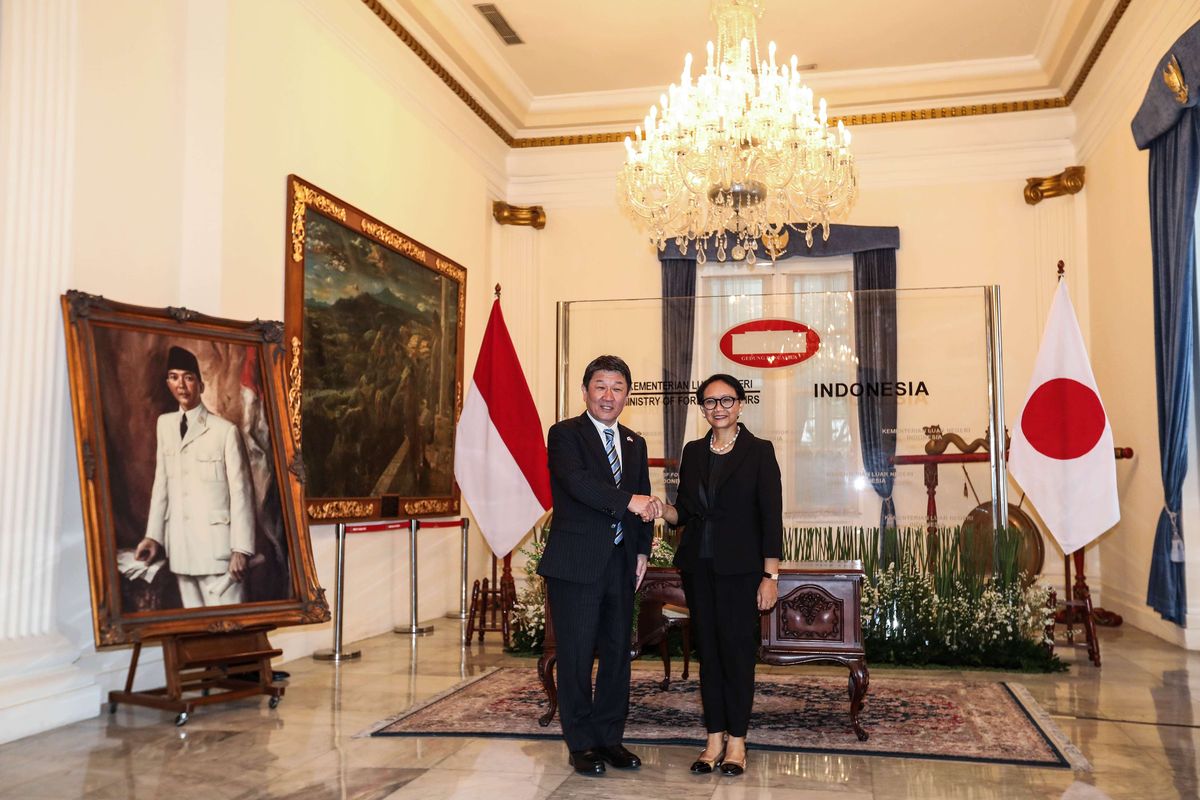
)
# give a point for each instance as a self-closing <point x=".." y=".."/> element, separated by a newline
<point x="437" y="69"/>
<point x="485" y="44"/>
<point x="1004" y="149"/>
<point x="444" y="112"/>
<point x="643" y="96"/>
<point x="1052" y="31"/>
<point x="1097" y="48"/>
<point x="870" y="118"/>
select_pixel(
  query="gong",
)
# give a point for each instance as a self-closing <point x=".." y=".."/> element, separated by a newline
<point x="977" y="535"/>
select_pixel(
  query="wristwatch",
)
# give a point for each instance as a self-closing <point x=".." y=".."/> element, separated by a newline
<point x="772" y="575"/>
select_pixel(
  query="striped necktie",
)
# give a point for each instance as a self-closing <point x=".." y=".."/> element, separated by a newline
<point x="614" y="463"/>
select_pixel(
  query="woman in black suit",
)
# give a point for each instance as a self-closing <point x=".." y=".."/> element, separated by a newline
<point x="731" y="500"/>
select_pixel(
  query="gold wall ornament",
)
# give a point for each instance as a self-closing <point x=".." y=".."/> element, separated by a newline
<point x="295" y="379"/>
<point x="1172" y="76"/>
<point x="1069" y="181"/>
<point x="337" y="509"/>
<point x="531" y="216"/>
<point x="776" y="245"/>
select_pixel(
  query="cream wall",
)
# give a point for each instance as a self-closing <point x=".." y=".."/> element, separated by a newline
<point x="1121" y="296"/>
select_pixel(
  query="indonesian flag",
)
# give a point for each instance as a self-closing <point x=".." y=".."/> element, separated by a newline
<point x="499" y="451"/>
<point x="1062" y="448"/>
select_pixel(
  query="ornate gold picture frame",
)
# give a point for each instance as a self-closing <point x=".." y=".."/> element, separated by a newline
<point x="189" y="473"/>
<point x="374" y="328"/>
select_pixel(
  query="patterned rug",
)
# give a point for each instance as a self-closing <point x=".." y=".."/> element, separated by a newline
<point x="993" y="722"/>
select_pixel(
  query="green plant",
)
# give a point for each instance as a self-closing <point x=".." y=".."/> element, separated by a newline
<point x="926" y="602"/>
<point x="529" y="609"/>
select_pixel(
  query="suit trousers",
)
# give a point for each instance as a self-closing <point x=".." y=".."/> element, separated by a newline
<point x="725" y="627"/>
<point x="593" y="620"/>
<point x="198" y="591"/>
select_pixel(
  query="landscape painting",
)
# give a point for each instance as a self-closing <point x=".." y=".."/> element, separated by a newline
<point x="375" y="321"/>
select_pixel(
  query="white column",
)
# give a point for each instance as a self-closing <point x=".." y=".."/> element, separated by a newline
<point x="39" y="686"/>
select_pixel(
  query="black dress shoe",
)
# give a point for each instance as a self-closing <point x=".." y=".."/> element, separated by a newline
<point x="619" y="757"/>
<point x="587" y="762"/>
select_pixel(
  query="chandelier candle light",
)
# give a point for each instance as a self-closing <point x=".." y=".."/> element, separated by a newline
<point x="736" y="156"/>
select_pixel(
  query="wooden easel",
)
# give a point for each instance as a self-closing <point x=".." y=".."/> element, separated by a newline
<point x="491" y="603"/>
<point x="202" y="662"/>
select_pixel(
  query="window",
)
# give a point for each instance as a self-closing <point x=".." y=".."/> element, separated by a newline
<point x="816" y="439"/>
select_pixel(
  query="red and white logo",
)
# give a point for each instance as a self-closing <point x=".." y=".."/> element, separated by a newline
<point x="769" y="343"/>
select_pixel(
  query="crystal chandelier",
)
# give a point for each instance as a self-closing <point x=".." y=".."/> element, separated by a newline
<point x="736" y="156"/>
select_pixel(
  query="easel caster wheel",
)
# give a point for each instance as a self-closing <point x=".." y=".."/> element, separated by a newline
<point x="112" y="708"/>
<point x="273" y="702"/>
<point x="181" y="720"/>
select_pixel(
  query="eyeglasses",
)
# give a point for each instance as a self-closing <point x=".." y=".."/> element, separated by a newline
<point x="711" y="402"/>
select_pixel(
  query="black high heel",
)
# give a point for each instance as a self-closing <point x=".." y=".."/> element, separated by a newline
<point x="704" y="766"/>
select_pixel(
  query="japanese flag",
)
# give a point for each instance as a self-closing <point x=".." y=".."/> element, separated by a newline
<point x="1062" y="446"/>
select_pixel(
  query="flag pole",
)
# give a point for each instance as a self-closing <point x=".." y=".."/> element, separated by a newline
<point x="998" y="440"/>
<point x="507" y="584"/>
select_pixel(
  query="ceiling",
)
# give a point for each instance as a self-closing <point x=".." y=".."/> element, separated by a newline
<point x="598" y="65"/>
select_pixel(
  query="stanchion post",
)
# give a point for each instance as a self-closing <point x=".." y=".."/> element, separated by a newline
<point x="462" y="589"/>
<point x="337" y="655"/>
<point x="413" y="629"/>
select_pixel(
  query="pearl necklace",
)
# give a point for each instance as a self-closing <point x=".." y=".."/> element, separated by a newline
<point x="726" y="447"/>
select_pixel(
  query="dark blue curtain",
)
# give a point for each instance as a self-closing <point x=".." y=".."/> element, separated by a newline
<point x="1166" y="125"/>
<point x="678" y="327"/>
<point x="875" y="345"/>
<point x="1174" y="159"/>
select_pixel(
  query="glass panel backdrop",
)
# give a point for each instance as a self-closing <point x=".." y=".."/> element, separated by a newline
<point x="808" y="380"/>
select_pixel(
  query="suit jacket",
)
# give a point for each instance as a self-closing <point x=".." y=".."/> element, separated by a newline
<point x="588" y="504"/>
<point x="202" y="503"/>
<point x="746" y="512"/>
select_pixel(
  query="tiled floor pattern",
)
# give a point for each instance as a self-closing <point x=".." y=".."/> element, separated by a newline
<point x="1135" y="719"/>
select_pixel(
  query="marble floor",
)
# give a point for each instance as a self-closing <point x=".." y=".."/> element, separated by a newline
<point x="1135" y="720"/>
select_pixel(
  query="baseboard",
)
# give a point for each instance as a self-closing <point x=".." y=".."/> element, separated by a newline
<point x="40" y="701"/>
<point x="1141" y="616"/>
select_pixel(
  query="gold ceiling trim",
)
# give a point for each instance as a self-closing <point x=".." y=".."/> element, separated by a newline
<point x="1097" y="47"/>
<point x="1069" y="181"/>
<point x="877" y="118"/>
<point x="436" y="67"/>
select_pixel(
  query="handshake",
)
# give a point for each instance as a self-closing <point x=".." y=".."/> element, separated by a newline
<point x="648" y="507"/>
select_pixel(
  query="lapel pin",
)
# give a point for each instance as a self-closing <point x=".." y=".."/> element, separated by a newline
<point x="629" y="439"/>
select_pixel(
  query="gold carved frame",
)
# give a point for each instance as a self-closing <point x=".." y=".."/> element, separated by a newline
<point x="107" y="493"/>
<point x="303" y="197"/>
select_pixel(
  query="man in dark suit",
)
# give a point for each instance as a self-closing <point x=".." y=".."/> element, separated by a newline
<point x="595" y="557"/>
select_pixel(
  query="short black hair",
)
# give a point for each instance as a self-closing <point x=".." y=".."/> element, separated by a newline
<point x="721" y="377"/>
<point x="607" y="364"/>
